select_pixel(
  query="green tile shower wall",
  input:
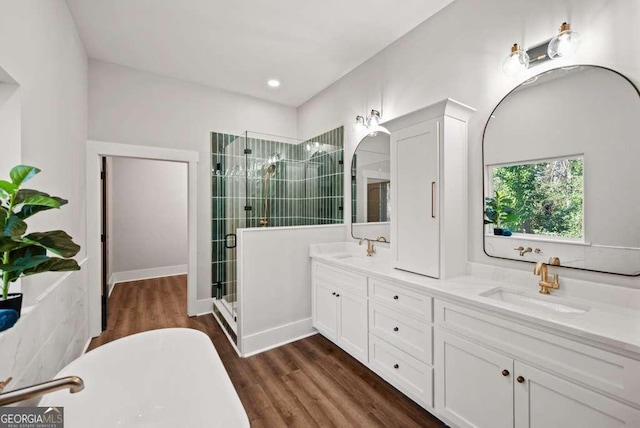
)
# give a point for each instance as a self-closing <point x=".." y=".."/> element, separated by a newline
<point x="306" y="189"/>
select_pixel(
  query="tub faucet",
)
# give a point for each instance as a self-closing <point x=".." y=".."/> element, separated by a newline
<point x="73" y="383"/>
<point x="370" y="249"/>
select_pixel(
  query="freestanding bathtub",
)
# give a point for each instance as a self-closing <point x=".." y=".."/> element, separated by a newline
<point x="161" y="378"/>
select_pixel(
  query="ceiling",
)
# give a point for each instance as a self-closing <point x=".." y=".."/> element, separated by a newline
<point x="238" y="45"/>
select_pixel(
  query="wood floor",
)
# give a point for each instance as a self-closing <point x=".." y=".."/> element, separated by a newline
<point x="307" y="383"/>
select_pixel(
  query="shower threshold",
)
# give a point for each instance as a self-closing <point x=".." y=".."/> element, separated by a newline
<point x="225" y="310"/>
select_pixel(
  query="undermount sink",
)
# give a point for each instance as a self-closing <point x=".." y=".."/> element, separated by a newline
<point x="547" y="303"/>
<point x="347" y="257"/>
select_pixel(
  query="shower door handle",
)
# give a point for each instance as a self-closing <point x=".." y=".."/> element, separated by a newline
<point x="230" y="237"/>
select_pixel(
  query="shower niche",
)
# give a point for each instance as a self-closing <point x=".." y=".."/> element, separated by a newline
<point x="260" y="180"/>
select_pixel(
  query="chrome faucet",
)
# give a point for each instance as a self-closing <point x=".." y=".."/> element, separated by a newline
<point x="542" y="270"/>
<point x="370" y="249"/>
<point x="73" y="383"/>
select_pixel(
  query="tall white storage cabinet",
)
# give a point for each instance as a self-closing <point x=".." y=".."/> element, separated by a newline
<point x="429" y="176"/>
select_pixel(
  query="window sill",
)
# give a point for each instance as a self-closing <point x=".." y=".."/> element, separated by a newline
<point x="521" y="237"/>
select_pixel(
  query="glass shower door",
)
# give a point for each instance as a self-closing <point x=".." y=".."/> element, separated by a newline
<point x="228" y="202"/>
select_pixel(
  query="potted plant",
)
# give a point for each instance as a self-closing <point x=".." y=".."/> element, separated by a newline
<point x="499" y="212"/>
<point x="27" y="254"/>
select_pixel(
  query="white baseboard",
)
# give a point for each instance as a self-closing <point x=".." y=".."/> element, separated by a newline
<point x="278" y="336"/>
<point x="137" y="275"/>
<point x="204" y="306"/>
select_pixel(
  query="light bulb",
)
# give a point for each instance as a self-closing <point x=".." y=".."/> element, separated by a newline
<point x="373" y="119"/>
<point x="516" y="62"/>
<point x="565" y="44"/>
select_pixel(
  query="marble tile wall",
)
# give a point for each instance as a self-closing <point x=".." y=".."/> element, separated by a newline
<point x="50" y="333"/>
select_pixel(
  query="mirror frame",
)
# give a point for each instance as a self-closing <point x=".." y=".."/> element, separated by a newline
<point x="484" y="178"/>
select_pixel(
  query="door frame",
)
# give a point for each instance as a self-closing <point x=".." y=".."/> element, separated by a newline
<point x="95" y="151"/>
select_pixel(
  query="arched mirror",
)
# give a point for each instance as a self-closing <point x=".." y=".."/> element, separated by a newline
<point x="371" y="188"/>
<point x="561" y="171"/>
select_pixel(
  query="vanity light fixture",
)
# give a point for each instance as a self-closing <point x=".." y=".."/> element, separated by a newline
<point x="372" y="123"/>
<point x="564" y="44"/>
<point x="516" y="62"/>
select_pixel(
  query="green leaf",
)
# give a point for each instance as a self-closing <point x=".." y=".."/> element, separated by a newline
<point x="7" y="187"/>
<point x="28" y="210"/>
<point x="24" y="263"/>
<point x="29" y="250"/>
<point x="54" y="264"/>
<point x="12" y="226"/>
<point x="22" y="173"/>
<point x="24" y="194"/>
<point x="26" y="252"/>
<point x="9" y="244"/>
<point x="56" y="241"/>
<point x="45" y="201"/>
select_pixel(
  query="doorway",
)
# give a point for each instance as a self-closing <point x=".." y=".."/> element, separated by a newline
<point x="144" y="224"/>
<point x="98" y="284"/>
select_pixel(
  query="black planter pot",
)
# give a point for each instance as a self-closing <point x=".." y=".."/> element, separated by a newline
<point x="14" y="301"/>
<point x="497" y="231"/>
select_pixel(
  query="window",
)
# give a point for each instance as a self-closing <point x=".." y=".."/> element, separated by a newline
<point x="546" y="196"/>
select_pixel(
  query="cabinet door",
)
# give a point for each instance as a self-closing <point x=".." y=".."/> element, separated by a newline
<point x="543" y="400"/>
<point x="352" y="325"/>
<point x="471" y="388"/>
<point x="325" y="305"/>
<point x="417" y="216"/>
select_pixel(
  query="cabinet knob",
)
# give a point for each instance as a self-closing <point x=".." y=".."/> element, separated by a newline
<point x="520" y="379"/>
<point x="395" y="329"/>
<point x="395" y="366"/>
<point x="337" y="295"/>
<point x="505" y="372"/>
<point x="333" y="294"/>
<point x="395" y="297"/>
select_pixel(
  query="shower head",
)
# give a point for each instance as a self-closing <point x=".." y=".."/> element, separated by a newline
<point x="271" y="168"/>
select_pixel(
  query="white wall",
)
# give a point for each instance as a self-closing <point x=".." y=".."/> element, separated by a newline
<point x="135" y="107"/>
<point x="41" y="50"/>
<point x="458" y="54"/>
<point x="10" y="123"/>
<point x="274" y="283"/>
<point x="148" y="203"/>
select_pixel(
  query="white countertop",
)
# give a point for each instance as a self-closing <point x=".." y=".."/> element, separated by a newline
<point x="604" y="324"/>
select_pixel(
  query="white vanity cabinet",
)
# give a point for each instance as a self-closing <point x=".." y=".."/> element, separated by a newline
<point x="429" y="155"/>
<point x="493" y="373"/>
<point x="386" y="326"/>
<point x="339" y="307"/>
<point x="401" y="339"/>
<point x="544" y="400"/>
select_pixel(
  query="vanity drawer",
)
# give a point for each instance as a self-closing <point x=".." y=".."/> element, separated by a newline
<point x="348" y="281"/>
<point x="406" y="301"/>
<point x="578" y="362"/>
<point x="401" y="370"/>
<point x="410" y="335"/>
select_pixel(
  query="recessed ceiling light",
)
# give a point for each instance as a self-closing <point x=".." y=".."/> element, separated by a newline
<point x="273" y="83"/>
